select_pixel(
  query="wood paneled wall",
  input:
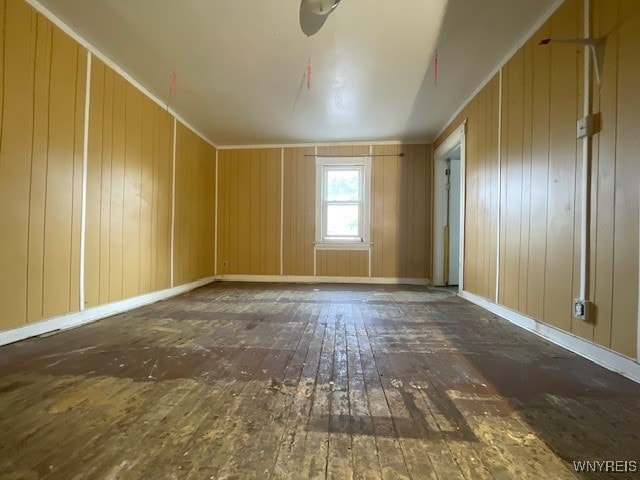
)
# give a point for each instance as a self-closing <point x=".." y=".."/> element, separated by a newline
<point x="482" y="193"/>
<point x="400" y="215"/>
<point x="342" y="263"/>
<point x="129" y="180"/>
<point x="541" y="177"/>
<point x="42" y="124"/>
<point x="299" y="213"/>
<point x="401" y="211"/>
<point x="194" y="208"/>
<point x="129" y="177"/>
<point x="249" y="208"/>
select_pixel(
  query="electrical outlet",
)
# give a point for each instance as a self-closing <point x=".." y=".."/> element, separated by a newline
<point x="225" y="263"/>
<point x="581" y="309"/>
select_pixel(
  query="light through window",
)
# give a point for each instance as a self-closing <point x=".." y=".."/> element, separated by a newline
<point x="342" y="202"/>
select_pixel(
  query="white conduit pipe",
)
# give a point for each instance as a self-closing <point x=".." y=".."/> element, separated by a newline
<point x="499" y="186"/>
<point x="586" y="157"/>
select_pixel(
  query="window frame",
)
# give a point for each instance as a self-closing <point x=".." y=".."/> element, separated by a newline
<point x="323" y="166"/>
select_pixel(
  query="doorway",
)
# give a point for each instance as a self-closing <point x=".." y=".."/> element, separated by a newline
<point x="448" y="232"/>
<point x="452" y="239"/>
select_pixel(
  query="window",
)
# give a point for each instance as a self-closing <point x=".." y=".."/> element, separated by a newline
<point x="343" y="186"/>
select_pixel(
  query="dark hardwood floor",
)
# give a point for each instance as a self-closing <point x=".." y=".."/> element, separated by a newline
<point x="239" y="381"/>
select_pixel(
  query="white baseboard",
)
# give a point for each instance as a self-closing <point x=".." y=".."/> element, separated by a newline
<point x="75" y="319"/>
<point x="320" y="279"/>
<point x="602" y="356"/>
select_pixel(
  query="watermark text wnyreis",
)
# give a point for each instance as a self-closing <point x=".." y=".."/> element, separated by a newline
<point x="606" y="466"/>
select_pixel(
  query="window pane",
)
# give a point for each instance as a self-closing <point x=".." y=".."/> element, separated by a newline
<point x="342" y="220"/>
<point x="343" y="185"/>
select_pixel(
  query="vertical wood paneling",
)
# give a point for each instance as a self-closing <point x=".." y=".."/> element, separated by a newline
<point x="58" y="221"/>
<point x="106" y="175"/>
<point x="540" y="121"/>
<point x="400" y="211"/>
<point x="482" y="227"/>
<point x="562" y="169"/>
<point x="527" y="170"/>
<point x="342" y="263"/>
<point x="96" y="214"/>
<point x="116" y="206"/>
<point x="270" y="218"/>
<point x="39" y="170"/>
<point x="146" y="246"/>
<point x="627" y="174"/>
<point x="41" y="129"/>
<point x="162" y="212"/>
<point x="255" y="213"/>
<point x="541" y="168"/>
<point x="419" y="250"/>
<point x="76" y="215"/>
<point x="15" y="159"/>
<point x="299" y="214"/>
<point x="128" y="226"/>
<point x="249" y="206"/>
<point x="194" y="207"/>
<point x="493" y="175"/>
<point x="131" y="209"/>
<point x="128" y="191"/>
<point x="472" y="167"/>
<point x="512" y="165"/>
<point x="604" y="173"/>
<point x="400" y="216"/>
<point x="482" y="193"/>
<point x="385" y="215"/>
<point x="244" y="207"/>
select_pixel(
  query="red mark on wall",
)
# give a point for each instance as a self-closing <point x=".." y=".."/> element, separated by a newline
<point x="174" y="79"/>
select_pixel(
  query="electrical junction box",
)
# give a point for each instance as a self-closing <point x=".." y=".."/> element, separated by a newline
<point x="581" y="309"/>
<point x="586" y="126"/>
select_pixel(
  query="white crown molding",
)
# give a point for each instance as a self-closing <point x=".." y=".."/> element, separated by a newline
<point x="320" y="145"/>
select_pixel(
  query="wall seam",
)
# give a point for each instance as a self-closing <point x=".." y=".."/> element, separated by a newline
<point x="173" y="202"/>
<point x="215" y="228"/>
<point x="462" y="207"/>
<point x="46" y="182"/>
<point x="140" y="226"/>
<point x="315" y="253"/>
<point x="85" y="163"/>
<point x="33" y="108"/>
<point x="615" y="182"/>
<point x="281" y="211"/>
<point x="499" y="214"/>
<point x="370" y="200"/>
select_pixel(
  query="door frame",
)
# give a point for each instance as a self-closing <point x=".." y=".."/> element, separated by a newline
<point x="455" y="139"/>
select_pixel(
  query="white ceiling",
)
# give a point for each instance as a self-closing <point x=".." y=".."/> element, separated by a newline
<point x="240" y="63"/>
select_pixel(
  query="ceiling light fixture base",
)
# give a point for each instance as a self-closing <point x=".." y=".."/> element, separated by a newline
<point x="322" y="7"/>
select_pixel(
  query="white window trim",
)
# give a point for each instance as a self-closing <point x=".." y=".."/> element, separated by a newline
<point x="362" y="162"/>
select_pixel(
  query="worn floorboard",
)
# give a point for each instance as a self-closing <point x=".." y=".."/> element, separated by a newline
<point x="256" y="381"/>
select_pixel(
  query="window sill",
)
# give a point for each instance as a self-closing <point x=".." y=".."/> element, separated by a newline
<point x="343" y="246"/>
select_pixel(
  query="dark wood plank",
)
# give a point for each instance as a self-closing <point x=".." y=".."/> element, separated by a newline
<point x="307" y="381"/>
